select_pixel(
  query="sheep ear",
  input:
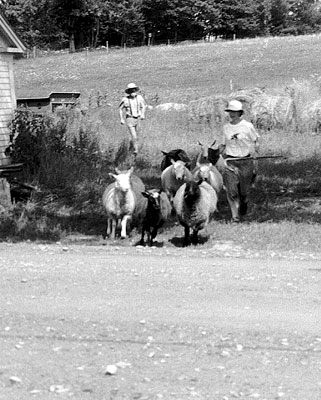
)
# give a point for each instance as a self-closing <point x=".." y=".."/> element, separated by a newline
<point x="145" y="194"/>
<point x="117" y="170"/>
<point x="198" y="164"/>
<point x="131" y="170"/>
<point x="200" y="144"/>
<point x="210" y="164"/>
<point x="164" y="152"/>
<point x="112" y="175"/>
<point x="172" y="161"/>
<point x="199" y="181"/>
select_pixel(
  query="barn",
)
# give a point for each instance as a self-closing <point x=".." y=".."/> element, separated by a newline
<point x="10" y="45"/>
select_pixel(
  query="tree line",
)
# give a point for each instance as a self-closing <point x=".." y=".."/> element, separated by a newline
<point x="74" y="24"/>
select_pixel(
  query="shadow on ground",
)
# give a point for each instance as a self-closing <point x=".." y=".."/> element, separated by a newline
<point x="285" y="190"/>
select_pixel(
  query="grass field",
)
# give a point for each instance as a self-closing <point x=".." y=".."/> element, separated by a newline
<point x="174" y="73"/>
<point x="285" y="202"/>
<point x="177" y="74"/>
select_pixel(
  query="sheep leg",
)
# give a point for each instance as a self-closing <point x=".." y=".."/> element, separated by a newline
<point x="154" y="232"/>
<point x="152" y="235"/>
<point x="123" y="234"/>
<point x="110" y="228"/>
<point x="194" y="238"/>
<point x="113" y="226"/>
<point x="186" y="236"/>
<point x="141" y="242"/>
<point x="149" y="238"/>
<point x="116" y="228"/>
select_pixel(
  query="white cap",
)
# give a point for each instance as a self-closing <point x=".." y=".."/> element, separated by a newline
<point x="234" y="105"/>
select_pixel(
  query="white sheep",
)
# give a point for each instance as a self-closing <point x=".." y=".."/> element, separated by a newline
<point x="208" y="173"/>
<point x="195" y="204"/>
<point x="230" y="175"/>
<point x="212" y="155"/>
<point x="120" y="200"/>
<point x="173" y="177"/>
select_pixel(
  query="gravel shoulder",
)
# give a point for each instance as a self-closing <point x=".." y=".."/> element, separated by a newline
<point x="176" y="323"/>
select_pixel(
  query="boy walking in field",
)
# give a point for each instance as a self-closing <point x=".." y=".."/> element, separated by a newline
<point x="240" y="141"/>
<point x="133" y="106"/>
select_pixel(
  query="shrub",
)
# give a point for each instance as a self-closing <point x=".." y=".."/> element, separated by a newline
<point x="28" y="222"/>
<point x="56" y="149"/>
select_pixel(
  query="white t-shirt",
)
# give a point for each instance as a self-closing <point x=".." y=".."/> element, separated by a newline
<point x="135" y="106"/>
<point x="239" y="139"/>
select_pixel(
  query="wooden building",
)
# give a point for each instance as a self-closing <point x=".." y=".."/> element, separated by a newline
<point x="10" y="45"/>
<point x="42" y="105"/>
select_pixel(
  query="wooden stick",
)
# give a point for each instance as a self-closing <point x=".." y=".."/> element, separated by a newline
<point x="252" y="158"/>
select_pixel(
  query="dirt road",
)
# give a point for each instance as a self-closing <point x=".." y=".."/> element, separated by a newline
<point x="172" y="323"/>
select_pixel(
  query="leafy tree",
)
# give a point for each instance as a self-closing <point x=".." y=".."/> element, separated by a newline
<point x="174" y="19"/>
<point x="207" y="15"/>
<point x="239" y="18"/>
<point x="264" y="8"/>
<point x="302" y="15"/>
<point x="88" y="23"/>
<point x="68" y="13"/>
<point x="279" y="12"/>
<point x="32" y="22"/>
<point x="126" y="19"/>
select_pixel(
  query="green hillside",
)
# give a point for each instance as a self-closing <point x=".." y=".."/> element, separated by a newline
<point x="174" y="73"/>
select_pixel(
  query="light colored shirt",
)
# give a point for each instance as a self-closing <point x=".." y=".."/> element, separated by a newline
<point x="134" y="106"/>
<point x="239" y="139"/>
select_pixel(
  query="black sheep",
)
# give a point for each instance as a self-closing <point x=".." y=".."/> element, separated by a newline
<point x="157" y="211"/>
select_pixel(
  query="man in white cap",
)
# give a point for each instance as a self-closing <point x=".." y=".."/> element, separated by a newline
<point x="134" y="107"/>
<point x="240" y="140"/>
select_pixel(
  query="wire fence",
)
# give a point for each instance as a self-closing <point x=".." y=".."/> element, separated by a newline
<point x="36" y="52"/>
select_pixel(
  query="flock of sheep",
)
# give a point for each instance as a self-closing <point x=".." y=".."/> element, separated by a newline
<point x="190" y="194"/>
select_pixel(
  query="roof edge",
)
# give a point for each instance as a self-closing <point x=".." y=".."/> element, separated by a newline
<point x="4" y="24"/>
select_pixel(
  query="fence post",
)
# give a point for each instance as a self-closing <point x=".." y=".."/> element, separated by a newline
<point x="149" y="39"/>
<point x="107" y="47"/>
<point x="34" y="50"/>
<point x="124" y="46"/>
